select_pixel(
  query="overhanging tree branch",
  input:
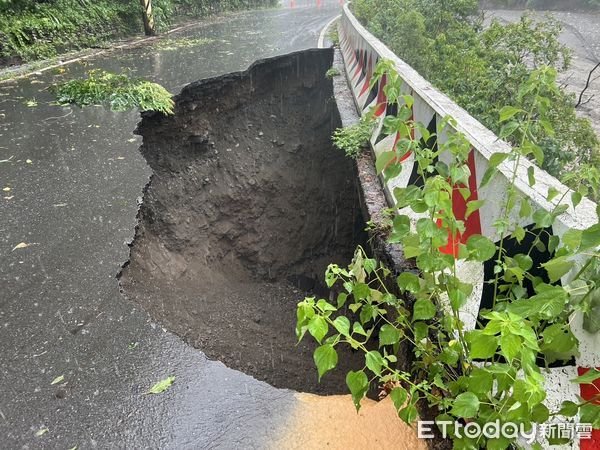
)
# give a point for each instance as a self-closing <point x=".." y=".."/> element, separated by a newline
<point x="587" y="85"/>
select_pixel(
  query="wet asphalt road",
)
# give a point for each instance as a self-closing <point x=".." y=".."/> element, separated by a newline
<point x="69" y="190"/>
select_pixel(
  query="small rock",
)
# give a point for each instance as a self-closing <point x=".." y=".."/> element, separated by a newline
<point x="60" y="393"/>
<point x="294" y="148"/>
<point x="198" y="138"/>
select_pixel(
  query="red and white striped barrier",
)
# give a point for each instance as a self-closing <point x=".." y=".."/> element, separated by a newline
<point x="361" y="52"/>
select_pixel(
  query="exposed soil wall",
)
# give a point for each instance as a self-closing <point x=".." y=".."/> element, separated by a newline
<point x="248" y="204"/>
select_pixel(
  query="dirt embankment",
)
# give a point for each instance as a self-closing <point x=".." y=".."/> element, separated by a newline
<point x="247" y="206"/>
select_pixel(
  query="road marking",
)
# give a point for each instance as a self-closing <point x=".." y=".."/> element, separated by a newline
<point x="321" y="42"/>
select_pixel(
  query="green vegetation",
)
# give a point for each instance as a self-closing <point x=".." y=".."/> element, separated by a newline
<point x="333" y="35"/>
<point x="332" y="72"/>
<point x="162" y="385"/>
<point x="167" y="44"/>
<point x="495" y="371"/>
<point x="355" y="138"/>
<point x="483" y="68"/>
<point x="118" y="91"/>
<point x="31" y="30"/>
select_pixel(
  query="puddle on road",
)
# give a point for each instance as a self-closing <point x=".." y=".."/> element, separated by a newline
<point x="247" y="206"/>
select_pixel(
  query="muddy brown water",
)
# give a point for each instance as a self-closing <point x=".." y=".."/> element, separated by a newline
<point x="247" y="205"/>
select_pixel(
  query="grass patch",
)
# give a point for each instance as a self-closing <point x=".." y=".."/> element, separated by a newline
<point x="333" y="72"/>
<point x="354" y="138"/>
<point x="168" y="44"/>
<point x="118" y="91"/>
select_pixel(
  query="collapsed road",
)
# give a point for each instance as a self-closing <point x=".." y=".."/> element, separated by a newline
<point x="247" y="206"/>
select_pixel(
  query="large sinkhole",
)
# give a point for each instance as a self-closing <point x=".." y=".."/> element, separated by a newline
<point x="247" y="205"/>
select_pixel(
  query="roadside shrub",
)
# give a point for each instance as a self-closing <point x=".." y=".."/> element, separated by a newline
<point x="333" y="35"/>
<point x="354" y="138"/>
<point x="41" y="30"/>
<point x="31" y="30"/>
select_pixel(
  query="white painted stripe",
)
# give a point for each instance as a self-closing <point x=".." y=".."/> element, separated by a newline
<point x="470" y="272"/>
<point x="422" y="113"/>
<point x="321" y="41"/>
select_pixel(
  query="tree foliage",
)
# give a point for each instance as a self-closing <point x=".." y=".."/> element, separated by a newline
<point x="482" y="68"/>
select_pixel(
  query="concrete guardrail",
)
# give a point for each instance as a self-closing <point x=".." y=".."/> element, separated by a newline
<point x="361" y="51"/>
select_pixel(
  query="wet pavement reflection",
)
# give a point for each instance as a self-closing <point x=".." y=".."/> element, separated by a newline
<point x="70" y="180"/>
